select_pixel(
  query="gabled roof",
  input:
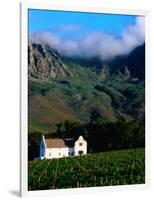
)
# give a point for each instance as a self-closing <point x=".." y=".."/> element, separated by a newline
<point x="55" y="143"/>
<point x="60" y="143"/>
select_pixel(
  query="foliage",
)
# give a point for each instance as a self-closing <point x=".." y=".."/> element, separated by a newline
<point x="101" y="135"/>
<point x="104" y="135"/>
<point x="101" y="169"/>
<point x="33" y="144"/>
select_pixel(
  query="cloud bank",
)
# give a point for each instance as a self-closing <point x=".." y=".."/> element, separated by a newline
<point x="95" y="44"/>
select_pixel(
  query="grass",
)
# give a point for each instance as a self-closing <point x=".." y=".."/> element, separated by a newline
<point x="46" y="112"/>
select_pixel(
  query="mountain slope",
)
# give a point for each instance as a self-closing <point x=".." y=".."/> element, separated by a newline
<point x="77" y="90"/>
<point x="135" y="61"/>
<point x="43" y="62"/>
<point x="46" y="112"/>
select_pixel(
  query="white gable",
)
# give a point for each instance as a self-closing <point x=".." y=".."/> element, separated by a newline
<point x="80" y="146"/>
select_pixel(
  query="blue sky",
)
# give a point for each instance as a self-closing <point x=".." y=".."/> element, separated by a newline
<point x="44" y="20"/>
<point x="87" y="34"/>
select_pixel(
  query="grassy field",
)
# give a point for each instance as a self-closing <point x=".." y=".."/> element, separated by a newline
<point x="101" y="169"/>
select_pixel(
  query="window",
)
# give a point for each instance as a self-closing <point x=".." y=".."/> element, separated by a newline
<point x="80" y="144"/>
<point x="59" y="154"/>
<point x="49" y="154"/>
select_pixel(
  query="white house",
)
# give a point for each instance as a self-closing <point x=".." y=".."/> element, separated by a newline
<point x="57" y="148"/>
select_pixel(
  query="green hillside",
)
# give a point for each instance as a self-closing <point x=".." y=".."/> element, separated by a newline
<point x="75" y="98"/>
<point x="101" y="169"/>
<point x="76" y="90"/>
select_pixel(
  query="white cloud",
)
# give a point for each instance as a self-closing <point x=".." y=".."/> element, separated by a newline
<point x="93" y="44"/>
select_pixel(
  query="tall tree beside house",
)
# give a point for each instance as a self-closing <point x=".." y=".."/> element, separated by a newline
<point x="33" y="144"/>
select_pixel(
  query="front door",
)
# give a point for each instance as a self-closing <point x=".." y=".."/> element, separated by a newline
<point x="80" y="153"/>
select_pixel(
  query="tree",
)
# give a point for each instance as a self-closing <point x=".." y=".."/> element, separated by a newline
<point x="95" y="114"/>
<point x="33" y="144"/>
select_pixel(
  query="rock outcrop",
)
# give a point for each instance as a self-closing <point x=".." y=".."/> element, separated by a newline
<point x="44" y="62"/>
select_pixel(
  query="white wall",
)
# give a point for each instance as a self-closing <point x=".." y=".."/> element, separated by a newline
<point x="83" y="147"/>
<point x="56" y="152"/>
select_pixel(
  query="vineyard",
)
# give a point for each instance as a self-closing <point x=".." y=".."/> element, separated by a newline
<point x="101" y="169"/>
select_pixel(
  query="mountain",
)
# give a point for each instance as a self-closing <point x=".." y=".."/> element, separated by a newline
<point x="135" y="61"/>
<point x="43" y="62"/>
<point x="63" y="88"/>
